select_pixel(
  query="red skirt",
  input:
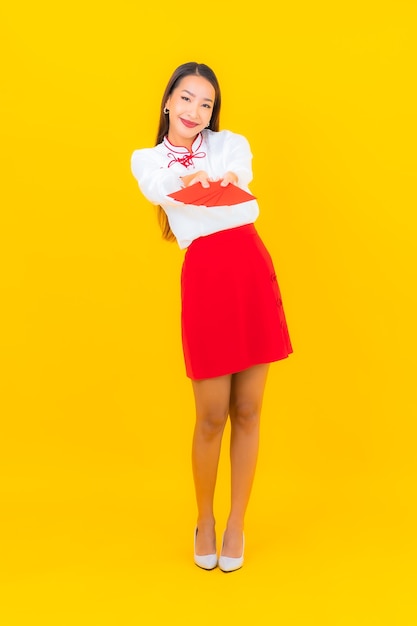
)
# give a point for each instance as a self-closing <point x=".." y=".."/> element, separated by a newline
<point x="232" y="314"/>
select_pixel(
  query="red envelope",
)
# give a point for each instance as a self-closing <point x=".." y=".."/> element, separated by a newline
<point x="215" y="195"/>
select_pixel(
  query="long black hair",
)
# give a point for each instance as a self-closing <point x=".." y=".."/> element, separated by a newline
<point x="187" y="69"/>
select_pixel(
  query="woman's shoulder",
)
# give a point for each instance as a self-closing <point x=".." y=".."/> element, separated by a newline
<point x="143" y="154"/>
<point x="144" y="160"/>
<point x="225" y="137"/>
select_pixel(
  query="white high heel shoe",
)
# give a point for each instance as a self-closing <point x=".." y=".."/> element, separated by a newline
<point x="205" y="561"/>
<point x="230" y="564"/>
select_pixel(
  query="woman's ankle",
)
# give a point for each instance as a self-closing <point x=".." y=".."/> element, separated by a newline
<point x="206" y="523"/>
<point x="235" y="525"/>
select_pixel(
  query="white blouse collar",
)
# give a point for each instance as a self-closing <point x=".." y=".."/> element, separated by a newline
<point x="181" y="154"/>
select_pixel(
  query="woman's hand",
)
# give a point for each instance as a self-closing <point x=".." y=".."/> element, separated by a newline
<point x="197" y="177"/>
<point x="228" y="178"/>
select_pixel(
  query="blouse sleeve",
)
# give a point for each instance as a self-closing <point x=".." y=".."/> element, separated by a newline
<point x="238" y="158"/>
<point x="155" y="181"/>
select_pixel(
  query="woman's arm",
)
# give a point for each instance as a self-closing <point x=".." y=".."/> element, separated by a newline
<point x="155" y="181"/>
<point x="237" y="159"/>
<point x="196" y="177"/>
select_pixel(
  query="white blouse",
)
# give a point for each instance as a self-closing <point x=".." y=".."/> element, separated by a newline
<point x="158" y="171"/>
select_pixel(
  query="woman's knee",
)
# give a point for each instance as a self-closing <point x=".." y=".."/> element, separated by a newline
<point x="245" y="415"/>
<point x="212" y="421"/>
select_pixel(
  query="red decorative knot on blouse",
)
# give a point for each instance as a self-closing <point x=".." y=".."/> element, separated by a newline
<point x="182" y="155"/>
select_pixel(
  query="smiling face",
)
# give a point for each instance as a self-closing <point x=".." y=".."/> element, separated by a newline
<point x="190" y="108"/>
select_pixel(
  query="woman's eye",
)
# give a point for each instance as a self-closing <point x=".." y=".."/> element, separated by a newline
<point x="186" y="98"/>
<point x="207" y="106"/>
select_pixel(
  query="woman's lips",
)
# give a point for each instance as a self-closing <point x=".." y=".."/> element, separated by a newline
<point x="188" y="124"/>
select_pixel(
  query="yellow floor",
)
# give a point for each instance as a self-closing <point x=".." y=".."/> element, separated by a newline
<point x="97" y="507"/>
<point x="120" y="551"/>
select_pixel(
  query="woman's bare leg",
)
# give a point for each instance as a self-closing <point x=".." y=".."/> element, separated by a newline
<point x="212" y="397"/>
<point x="247" y="389"/>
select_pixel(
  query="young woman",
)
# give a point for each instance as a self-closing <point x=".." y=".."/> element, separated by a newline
<point x="233" y="322"/>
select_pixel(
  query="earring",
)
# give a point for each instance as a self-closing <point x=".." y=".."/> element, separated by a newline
<point x="208" y="125"/>
<point x="166" y="111"/>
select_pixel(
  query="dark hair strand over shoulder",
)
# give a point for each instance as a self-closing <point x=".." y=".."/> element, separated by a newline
<point x="187" y="69"/>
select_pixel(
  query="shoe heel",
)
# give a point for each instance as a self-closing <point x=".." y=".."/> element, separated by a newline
<point x="231" y="564"/>
<point x="206" y="561"/>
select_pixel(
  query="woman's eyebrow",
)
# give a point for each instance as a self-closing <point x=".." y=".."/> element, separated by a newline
<point x="193" y="95"/>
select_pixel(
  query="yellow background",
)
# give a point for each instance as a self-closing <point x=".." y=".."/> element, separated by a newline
<point x="97" y="502"/>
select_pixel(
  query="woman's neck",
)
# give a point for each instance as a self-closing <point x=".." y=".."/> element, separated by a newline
<point x="182" y="142"/>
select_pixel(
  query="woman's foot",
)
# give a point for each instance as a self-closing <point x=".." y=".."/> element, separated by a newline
<point x="233" y="542"/>
<point x="233" y="548"/>
<point x="205" y="554"/>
